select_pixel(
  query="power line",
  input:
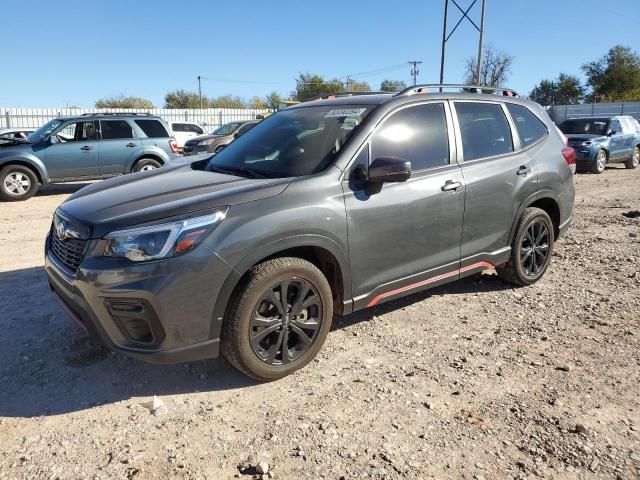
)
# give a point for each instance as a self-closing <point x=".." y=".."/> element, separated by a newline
<point x="414" y="69"/>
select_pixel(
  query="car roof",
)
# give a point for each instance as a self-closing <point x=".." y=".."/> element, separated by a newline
<point x="107" y="116"/>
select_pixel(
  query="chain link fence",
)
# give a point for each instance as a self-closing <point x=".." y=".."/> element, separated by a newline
<point x="560" y="113"/>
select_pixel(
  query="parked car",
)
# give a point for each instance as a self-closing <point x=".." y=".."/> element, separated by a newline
<point x="602" y="140"/>
<point x="219" y="138"/>
<point x="86" y="147"/>
<point x="183" y="131"/>
<point x="10" y="133"/>
<point x="323" y="208"/>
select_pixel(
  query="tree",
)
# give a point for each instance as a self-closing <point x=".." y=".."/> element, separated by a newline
<point x="494" y="68"/>
<point x="392" y="85"/>
<point x="615" y="77"/>
<point x="309" y="86"/>
<point x="183" y="99"/>
<point x="565" y="90"/>
<point x="258" y="103"/>
<point x="225" y="101"/>
<point x="120" y="101"/>
<point x="356" y="86"/>
<point x="273" y="100"/>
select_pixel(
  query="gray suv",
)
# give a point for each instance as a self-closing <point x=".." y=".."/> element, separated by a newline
<point x="86" y="147"/>
<point x="322" y="209"/>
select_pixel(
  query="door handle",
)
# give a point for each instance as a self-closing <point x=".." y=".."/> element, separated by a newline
<point x="523" y="170"/>
<point x="131" y="144"/>
<point x="86" y="148"/>
<point x="451" y="185"/>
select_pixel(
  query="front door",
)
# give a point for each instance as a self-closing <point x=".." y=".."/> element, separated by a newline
<point x="74" y="155"/>
<point x="406" y="236"/>
<point x="119" y="147"/>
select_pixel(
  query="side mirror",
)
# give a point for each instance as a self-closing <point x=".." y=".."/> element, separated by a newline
<point x="389" y="169"/>
<point x="611" y="133"/>
<point x="53" y="139"/>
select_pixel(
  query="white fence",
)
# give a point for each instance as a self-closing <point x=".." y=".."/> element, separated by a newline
<point x="208" y="117"/>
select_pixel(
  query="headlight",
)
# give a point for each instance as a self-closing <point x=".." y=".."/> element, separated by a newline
<point x="163" y="240"/>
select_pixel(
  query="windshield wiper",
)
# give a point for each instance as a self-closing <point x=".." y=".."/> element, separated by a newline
<point x="248" y="172"/>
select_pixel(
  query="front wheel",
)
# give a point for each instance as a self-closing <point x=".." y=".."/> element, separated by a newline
<point x="146" y="164"/>
<point x="278" y="318"/>
<point x="634" y="160"/>
<point x="530" y="250"/>
<point x="600" y="162"/>
<point x="17" y="183"/>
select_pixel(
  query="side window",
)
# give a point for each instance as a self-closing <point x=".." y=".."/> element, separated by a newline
<point x="195" y="129"/>
<point x="153" y="128"/>
<point x="115" y="129"/>
<point x="177" y="127"/>
<point x="417" y="134"/>
<point x="614" y="126"/>
<point x="244" y="128"/>
<point x="530" y="128"/>
<point x="77" y="132"/>
<point x="484" y="129"/>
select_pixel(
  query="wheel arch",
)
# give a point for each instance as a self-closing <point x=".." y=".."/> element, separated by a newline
<point x="151" y="156"/>
<point x="38" y="170"/>
<point x="546" y="200"/>
<point x="320" y="251"/>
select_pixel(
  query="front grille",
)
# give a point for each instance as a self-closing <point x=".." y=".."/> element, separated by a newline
<point x="69" y="249"/>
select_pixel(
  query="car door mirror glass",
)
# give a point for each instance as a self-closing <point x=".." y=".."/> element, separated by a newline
<point x="53" y="139"/>
<point x="389" y="169"/>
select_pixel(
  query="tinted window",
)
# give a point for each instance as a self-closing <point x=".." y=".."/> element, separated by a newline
<point x="115" y="129"/>
<point x="244" y="128"/>
<point x="417" y="134"/>
<point x="530" y="128"/>
<point x="226" y="129"/>
<point x="484" y="129"/>
<point x="195" y="129"/>
<point x="614" y="126"/>
<point x="592" y="126"/>
<point x="153" y="128"/>
<point x="176" y="127"/>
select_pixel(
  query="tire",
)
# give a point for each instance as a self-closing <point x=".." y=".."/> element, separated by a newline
<point x="17" y="183"/>
<point x="635" y="158"/>
<point x="527" y="265"/>
<point x="600" y="162"/>
<point x="145" y="164"/>
<point x="255" y="309"/>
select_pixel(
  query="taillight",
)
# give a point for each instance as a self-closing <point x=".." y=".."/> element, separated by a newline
<point x="173" y="146"/>
<point x="569" y="155"/>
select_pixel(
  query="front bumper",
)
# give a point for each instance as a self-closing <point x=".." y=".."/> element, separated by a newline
<point x="175" y="298"/>
<point x="196" y="149"/>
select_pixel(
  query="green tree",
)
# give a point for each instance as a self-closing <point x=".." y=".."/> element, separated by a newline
<point x="309" y="86"/>
<point x="356" y="86"/>
<point x="258" y="103"/>
<point x="615" y="77"/>
<point x="183" y="99"/>
<point x="494" y="69"/>
<point x="120" y="101"/>
<point x="392" y="85"/>
<point x="273" y="100"/>
<point x="225" y="101"/>
<point x="565" y="90"/>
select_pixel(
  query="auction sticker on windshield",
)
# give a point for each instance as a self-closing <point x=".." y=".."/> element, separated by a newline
<point x="345" y="112"/>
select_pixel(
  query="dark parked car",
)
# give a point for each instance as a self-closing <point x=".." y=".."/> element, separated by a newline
<point x="602" y="140"/>
<point x="86" y="147"/>
<point x="219" y="138"/>
<point x="323" y="208"/>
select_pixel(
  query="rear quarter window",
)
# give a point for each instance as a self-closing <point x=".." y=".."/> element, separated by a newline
<point x="484" y="130"/>
<point x="530" y="127"/>
<point x="153" y="128"/>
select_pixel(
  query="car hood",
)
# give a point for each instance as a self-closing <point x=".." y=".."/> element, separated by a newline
<point x="200" y="138"/>
<point x="160" y="194"/>
<point x="14" y="146"/>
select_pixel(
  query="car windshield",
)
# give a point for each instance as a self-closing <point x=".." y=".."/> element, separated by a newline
<point x="292" y="142"/>
<point x="44" y="130"/>
<point x="226" y="129"/>
<point x="589" y="126"/>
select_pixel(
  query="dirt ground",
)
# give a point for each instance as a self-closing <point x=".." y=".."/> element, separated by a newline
<point x="471" y="380"/>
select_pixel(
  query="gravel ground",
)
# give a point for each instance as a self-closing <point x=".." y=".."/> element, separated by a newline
<point x="470" y="380"/>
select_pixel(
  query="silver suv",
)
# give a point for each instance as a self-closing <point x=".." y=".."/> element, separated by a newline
<point x="87" y="147"/>
<point x="324" y="208"/>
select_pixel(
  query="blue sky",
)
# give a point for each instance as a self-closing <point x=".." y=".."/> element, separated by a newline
<point x="79" y="51"/>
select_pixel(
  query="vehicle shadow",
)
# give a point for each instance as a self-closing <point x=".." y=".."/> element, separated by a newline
<point x="48" y="366"/>
<point x="60" y="189"/>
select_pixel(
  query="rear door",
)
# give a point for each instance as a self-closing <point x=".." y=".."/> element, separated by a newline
<point x="406" y="236"/>
<point x="119" y="147"/>
<point x="74" y="156"/>
<point x="499" y="175"/>
<point x="616" y="142"/>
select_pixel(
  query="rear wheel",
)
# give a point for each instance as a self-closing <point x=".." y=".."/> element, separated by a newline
<point x="530" y="250"/>
<point x="145" y="164"/>
<point x="600" y="162"/>
<point x="277" y="319"/>
<point x="17" y="183"/>
<point x="634" y="160"/>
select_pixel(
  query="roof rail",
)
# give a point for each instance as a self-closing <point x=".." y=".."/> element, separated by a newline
<point x="424" y="88"/>
<point x="116" y="113"/>
<point x="325" y="96"/>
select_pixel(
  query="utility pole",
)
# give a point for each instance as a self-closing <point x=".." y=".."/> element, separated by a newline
<point x="348" y="84"/>
<point x="444" y="42"/>
<point x="200" y="89"/>
<point x="480" y="45"/>
<point x="414" y="69"/>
